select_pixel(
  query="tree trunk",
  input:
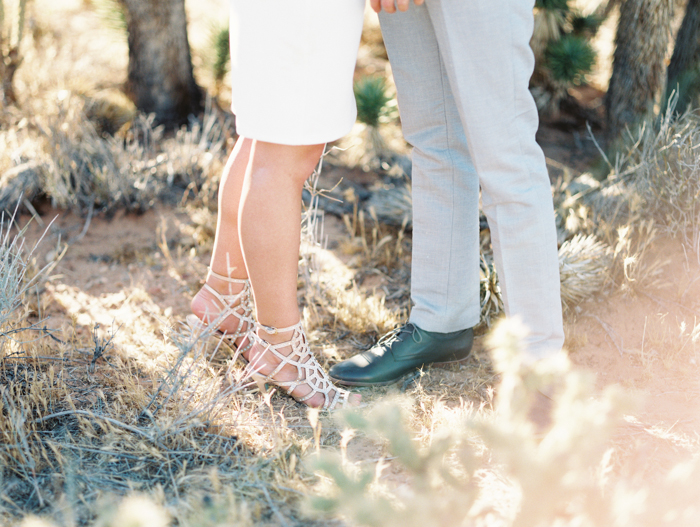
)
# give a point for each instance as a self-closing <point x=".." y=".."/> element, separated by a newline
<point x="11" y="33"/>
<point x="686" y="56"/>
<point x="160" y="76"/>
<point x="639" y="62"/>
<point x="8" y="68"/>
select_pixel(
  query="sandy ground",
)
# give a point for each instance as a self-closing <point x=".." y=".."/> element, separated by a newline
<point x="640" y="340"/>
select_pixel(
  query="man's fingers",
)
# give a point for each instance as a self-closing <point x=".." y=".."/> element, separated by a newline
<point x="389" y="6"/>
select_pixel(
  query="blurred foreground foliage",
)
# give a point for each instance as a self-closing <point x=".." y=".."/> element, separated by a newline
<point x="560" y="473"/>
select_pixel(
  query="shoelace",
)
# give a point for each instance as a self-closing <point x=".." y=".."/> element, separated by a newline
<point x="395" y="335"/>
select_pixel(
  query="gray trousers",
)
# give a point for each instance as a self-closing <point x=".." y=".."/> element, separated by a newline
<point x="462" y="69"/>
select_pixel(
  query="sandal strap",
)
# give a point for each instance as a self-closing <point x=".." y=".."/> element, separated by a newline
<point x="228" y="279"/>
<point x="309" y="371"/>
<point x="274" y="331"/>
<point x="228" y="301"/>
<point x="239" y="306"/>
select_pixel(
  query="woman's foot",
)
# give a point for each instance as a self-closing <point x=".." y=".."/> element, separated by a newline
<point x="283" y="358"/>
<point x="226" y="304"/>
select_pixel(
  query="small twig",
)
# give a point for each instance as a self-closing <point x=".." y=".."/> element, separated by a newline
<point x="608" y="331"/>
<point x="83" y="232"/>
<point x="376" y="460"/>
<point x="590" y="132"/>
<point x="666" y="302"/>
<point x="172" y="478"/>
<point x="290" y="490"/>
<point x="104" y="482"/>
<point x="96" y="451"/>
<point x="48" y="332"/>
<point x="33" y="327"/>
<point x="33" y="211"/>
<point x="279" y="515"/>
<point x="100" y="348"/>
<point x="13" y="357"/>
<point x="411" y="379"/>
<point x="561" y="166"/>
<point x="103" y="417"/>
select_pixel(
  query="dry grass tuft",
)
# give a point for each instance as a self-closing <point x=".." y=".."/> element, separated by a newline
<point x="109" y="427"/>
<point x="667" y="174"/>
<point x="374" y="244"/>
<point x="490" y="294"/>
<point x="336" y="302"/>
<point x="81" y="169"/>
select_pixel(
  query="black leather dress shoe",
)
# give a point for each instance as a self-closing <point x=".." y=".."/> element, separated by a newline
<point x="402" y="351"/>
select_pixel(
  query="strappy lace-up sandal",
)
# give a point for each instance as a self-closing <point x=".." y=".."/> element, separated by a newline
<point x="239" y="306"/>
<point x="309" y="371"/>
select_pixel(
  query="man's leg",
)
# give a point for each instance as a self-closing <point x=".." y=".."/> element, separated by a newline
<point x="445" y="267"/>
<point x="485" y="47"/>
<point x="445" y="263"/>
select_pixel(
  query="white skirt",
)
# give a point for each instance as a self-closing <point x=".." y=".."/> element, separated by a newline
<point x="292" y="65"/>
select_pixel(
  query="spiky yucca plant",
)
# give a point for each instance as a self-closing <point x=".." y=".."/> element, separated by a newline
<point x="583" y="266"/>
<point x="111" y="12"/>
<point x="222" y="54"/>
<point x="563" y="53"/>
<point x="372" y="98"/>
<point x="550" y="18"/>
<point x="569" y="59"/>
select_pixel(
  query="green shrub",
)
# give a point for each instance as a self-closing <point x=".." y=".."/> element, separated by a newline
<point x="570" y="58"/>
<point x="222" y="53"/>
<point x="371" y="98"/>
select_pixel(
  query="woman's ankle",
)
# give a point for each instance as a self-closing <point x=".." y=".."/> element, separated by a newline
<point x="278" y="335"/>
<point x="208" y="308"/>
<point x="225" y="285"/>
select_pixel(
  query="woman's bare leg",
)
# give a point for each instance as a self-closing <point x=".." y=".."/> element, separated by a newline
<point x="227" y="258"/>
<point x="269" y="227"/>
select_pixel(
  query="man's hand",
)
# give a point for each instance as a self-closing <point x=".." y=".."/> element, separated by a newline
<point x="390" y="5"/>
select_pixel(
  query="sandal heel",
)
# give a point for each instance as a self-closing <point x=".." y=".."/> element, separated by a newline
<point x="261" y="383"/>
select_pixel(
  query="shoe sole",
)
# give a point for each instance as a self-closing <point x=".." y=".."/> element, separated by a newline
<point x="398" y="379"/>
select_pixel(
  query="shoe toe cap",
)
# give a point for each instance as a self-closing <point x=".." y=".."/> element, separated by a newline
<point x="353" y="369"/>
